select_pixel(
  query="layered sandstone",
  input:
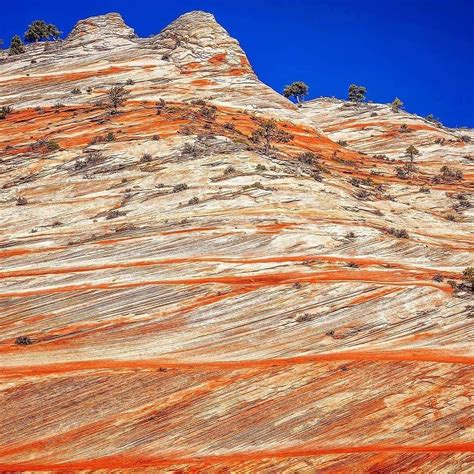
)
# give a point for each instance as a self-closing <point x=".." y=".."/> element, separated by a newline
<point x="261" y="318"/>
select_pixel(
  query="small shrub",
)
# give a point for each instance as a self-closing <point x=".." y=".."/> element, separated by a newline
<point x="76" y="91"/>
<point x="229" y="126"/>
<point x="260" y="167"/>
<point x="398" y="233"/>
<point x="198" y="102"/>
<point x="431" y="118"/>
<point x="229" y="170"/>
<point x="396" y="105"/>
<point x="45" y="146"/>
<point x="110" y="137"/>
<point x="116" y="97"/>
<point x="156" y="137"/>
<point x="114" y="213"/>
<point x="342" y="142"/>
<point x="404" y="128"/>
<point x="450" y="174"/>
<point x="438" y="278"/>
<point x="193" y="200"/>
<point x="209" y="112"/>
<point x="21" y="201"/>
<point x="304" y="318"/>
<point x="405" y="171"/>
<point x="468" y="276"/>
<point x="146" y="158"/>
<point x="350" y="235"/>
<point x="180" y="187"/>
<point x="374" y="114"/>
<point x="308" y="158"/>
<point x="256" y="185"/>
<point x="5" y="111"/>
<point x="23" y="341"/>
<point x="130" y="82"/>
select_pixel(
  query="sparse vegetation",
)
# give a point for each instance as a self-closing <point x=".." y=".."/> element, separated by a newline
<point x="5" y="111"/>
<point x="130" y="82"/>
<point x="45" y="146"/>
<point x="180" y="187"/>
<point x="308" y="158"/>
<point x="229" y="170"/>
<point x="146" y="158"/>
<point x="23" y="341"/>
<point x="116" y="97"/>
<point x="297" y="89"/>
<point x="468" y="276"/>
<point x="267" y="133"/>
<point x="209" y="112"/>
<point x="21" y="201"/>
<point x="357" y="93"/>
<point x="76" y="91"/>
<point x="404" y="128"/>
<point x="342" y="142"/>
<point x="405" y="171"/>
<point x="448" y="174"/>
<point x="16" y="46"/>
<point x="396" y="105"/>
<point x="431" y="118"/>
<point x="260" y="167"/>
<point x="398" y="233"/>
<point x="194" y="200"/>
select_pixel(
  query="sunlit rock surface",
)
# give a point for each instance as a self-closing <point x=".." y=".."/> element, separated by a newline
<point x="262" y="318"/>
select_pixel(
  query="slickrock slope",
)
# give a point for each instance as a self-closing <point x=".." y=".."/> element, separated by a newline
<point x="190" y="303"/>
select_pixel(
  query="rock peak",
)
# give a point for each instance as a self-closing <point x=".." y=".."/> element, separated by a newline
<point x="101" y="30"/>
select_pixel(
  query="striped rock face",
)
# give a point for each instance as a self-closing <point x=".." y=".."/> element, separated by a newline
<point x="174" y="297"/>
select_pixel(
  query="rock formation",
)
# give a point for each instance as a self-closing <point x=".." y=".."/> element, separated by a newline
<point x="172" y="298"/>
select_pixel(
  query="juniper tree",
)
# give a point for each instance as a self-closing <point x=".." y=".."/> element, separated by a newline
<point x="411" y="151"/>
<point x="396" y="105"/>
<point x="40" y="30"/>
<point x="297" y="90"/>
<point x="268" y="133"/>
<point x="357" y="93"/>
<point x="116" y="97"/>
<point x="16" y="46"/>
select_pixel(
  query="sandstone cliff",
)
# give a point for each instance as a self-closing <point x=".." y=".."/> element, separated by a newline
<point x="188" y="302"/>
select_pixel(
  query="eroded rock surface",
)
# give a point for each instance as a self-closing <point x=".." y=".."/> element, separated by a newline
<point x="173" y="298"/>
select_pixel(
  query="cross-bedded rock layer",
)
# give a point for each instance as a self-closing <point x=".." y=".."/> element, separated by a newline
<point x="195" y="304"/>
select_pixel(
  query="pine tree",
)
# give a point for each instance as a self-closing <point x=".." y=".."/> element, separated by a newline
<point x="267" y="133"/>
<point x="357" y="93"/>
<point x="116" y="97"/>
<point x="16" y="46"/>
<point x="297" y="90"/>
<point x="411" y="151"/>
<point x="40" y="30"/>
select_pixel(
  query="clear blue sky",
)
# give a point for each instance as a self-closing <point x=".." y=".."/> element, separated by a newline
<point x="419" y="50"/>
